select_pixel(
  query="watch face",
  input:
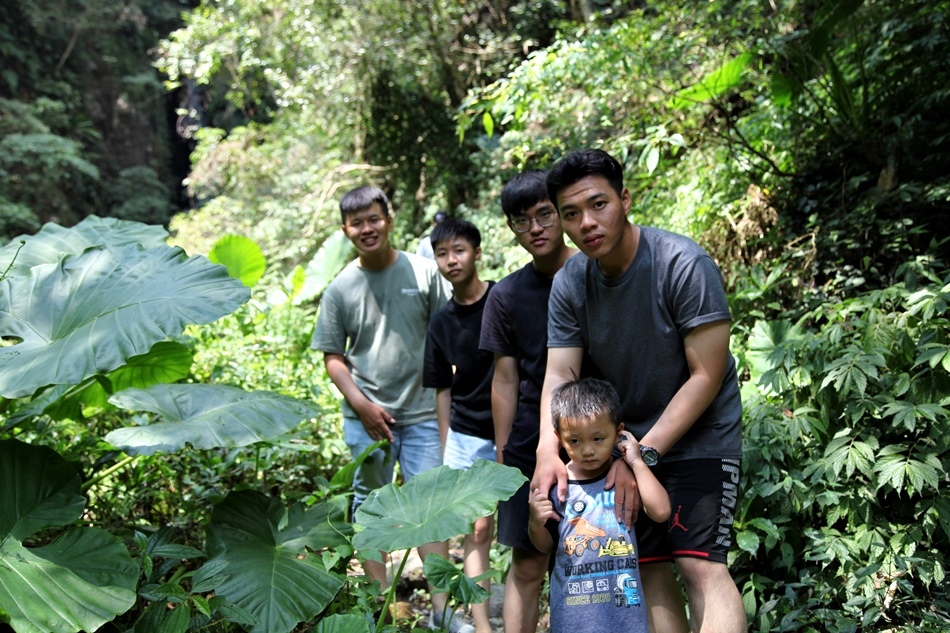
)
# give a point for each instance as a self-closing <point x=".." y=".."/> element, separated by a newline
<point x="649" y="455"/>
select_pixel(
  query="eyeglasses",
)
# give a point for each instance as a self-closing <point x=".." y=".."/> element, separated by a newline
<point x="522" y="223"/>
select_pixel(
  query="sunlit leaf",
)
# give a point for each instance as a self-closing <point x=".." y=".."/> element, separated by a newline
<point x="242" y="256"/>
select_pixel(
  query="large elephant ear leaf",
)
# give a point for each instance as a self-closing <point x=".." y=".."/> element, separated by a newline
<point x="329" y="260"/>
<point x="433" y="506"/>
<point x="54" y="241"/>
<point x="205" y="416"/>
<point x="343" y="623"/>
<point x="272" y="569"/>
<point x="81" y="580"/>
<point x="90" y="313"/>
<point x="242" y="256"/>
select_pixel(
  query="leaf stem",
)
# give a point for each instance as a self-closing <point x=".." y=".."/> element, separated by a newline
<point x="392" y="592"/>
<point x="108" y="471"/>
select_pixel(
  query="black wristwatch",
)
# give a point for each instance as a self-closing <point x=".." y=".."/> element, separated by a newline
<point x="649" y="455"/>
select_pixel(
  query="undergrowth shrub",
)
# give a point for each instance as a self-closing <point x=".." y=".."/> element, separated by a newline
<point x="847" y="447"/>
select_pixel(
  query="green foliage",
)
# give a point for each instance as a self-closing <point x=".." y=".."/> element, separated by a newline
<point x="80" y="580"/>
<point x="845" y="458"/>
<point x="205" y="416"/>
<point x="110" y="290"/>
<point x="242" y="257"/>
<point x="433" y="506"/>
<point x="267" y="556"/>
<point x="138" y="194"/>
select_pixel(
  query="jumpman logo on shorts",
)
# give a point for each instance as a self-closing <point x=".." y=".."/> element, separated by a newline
<point x="676" y="521"/>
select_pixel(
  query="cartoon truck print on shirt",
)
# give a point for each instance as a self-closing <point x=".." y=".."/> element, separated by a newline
<point x="585" y="536"/>
<point x="616" y="547"/>
<point x="626" y="593"/>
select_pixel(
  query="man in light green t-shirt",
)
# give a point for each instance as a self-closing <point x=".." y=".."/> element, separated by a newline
<point x="371" y="330"/>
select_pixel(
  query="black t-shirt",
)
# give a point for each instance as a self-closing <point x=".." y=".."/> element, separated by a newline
<point x="452" y="341"/>
<point x="515" y="324"/>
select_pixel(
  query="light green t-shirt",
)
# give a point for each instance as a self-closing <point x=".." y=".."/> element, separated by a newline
<point x="377" y="320"/>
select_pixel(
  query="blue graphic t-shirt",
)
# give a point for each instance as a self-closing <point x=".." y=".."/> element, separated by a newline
<point x="595" y="578"/>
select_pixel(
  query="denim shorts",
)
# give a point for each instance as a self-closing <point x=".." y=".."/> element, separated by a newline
<point x="417" y="447"/>
<point x="461" y="450"/>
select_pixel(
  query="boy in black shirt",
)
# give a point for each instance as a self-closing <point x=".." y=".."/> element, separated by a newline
<point x="461" y="374"/>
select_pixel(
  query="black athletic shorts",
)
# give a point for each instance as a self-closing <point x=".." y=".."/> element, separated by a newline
<point x="513" y="515"/>
<point x="704" y="494"/>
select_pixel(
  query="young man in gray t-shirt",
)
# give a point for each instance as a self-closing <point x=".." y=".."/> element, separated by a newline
<point x="650" y="309"/>
<point x="372" y="330"/>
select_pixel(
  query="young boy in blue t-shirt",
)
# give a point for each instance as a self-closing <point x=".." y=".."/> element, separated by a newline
<point x="595" y="575"/>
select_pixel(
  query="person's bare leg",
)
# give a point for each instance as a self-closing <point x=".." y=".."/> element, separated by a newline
<point x="476" y="548"/>
<point x="715" y="605"/>
<point x="522" y="590"/>
<point x="378" y="571"/>
<point x="666" y="610"/>
<point x="438" y="599"/>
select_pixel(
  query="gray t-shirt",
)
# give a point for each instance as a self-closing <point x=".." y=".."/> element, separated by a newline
<point x="595" y="575"/>
<point x="633" y="327"/>
<point x="377" y="320"/>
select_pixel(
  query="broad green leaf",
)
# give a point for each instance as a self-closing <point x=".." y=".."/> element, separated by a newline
<point x="653" y="158"/>
<point x="716" y="83"/>
<point x="343" y="623"/>
<point x="343" y="478"/>
<point x="81" y="580"/>
<point x="783" y="89"/>
<point x="488" y="123"/>
<point x="242" y="256"/>
<point x="446" y="577"/>
<point x="39" y="490"/>
<point x="330" y="259"/>
<point x="272" y="571"/>
<point x="433" y="506"/>
<point x="177" y="619"/>
<point x="748" y="541"/>
<point x="205" y="416"/>
<point x="166" y="362"/>
<point x="53" y="241"/>
<point x="90" y="313"/>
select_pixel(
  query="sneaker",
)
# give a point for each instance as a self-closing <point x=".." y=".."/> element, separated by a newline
<point x="456" y="624"/>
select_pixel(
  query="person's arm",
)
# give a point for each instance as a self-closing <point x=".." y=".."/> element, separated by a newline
<point x="375" y="419"/>
<point x="564" y="364"/>
<point x="656" y="501"/>
<point x="541" y="510"/>
<point x="504" y="399"/>
<point x="443" y="411"/>
<point x="707" y="354"/>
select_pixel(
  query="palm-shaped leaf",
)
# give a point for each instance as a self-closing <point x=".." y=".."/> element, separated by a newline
<point x="54" y="241"/>
<point x="205" y="416"/>
<point x="90" y="313"/>
<point x="434" y="506"/>
<point x="81" y="580"/>
<point x="271" y="568"/>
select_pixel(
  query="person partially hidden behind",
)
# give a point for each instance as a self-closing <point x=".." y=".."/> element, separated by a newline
<point x="595" y="575"/>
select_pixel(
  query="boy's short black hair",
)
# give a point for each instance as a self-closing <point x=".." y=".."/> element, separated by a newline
<point x="523" y="192"/>
<point x="363" y="198"/>
<point x="580" y="164"/>
<point x="451" y="228"/>
<point x="584" y="399"/>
